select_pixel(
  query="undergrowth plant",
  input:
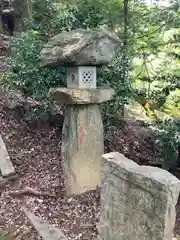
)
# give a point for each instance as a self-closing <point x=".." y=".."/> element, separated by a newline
<point x="166" y="134"/>
<point x="25" y="72"/>
<point x="115" y="76"/>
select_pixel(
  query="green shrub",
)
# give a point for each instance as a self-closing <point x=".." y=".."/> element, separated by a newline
<point x="167" y="137"/>
<point x="25" y="72"/>
<point x="116" y="76"/>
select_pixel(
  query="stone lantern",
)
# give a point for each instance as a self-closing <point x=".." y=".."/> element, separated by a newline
<point x="81" y="52"/>
<point x="81" y="77"/>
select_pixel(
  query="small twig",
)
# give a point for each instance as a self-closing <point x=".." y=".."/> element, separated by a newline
<point x="5" y="181"/>
<point x="30" y="191"/>
<point x="22" y="235"/>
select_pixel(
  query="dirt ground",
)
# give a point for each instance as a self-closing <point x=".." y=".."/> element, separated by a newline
<point x="35" y="152"/>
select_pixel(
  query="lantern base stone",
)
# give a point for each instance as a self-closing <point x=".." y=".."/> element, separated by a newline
<point x="82" y="137"/>
<point x="81" y="95"/>
<point x="82" y="147"/>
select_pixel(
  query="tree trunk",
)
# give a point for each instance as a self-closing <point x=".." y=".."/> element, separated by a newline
<point x="125" y="37"/>
<point x="1" y="24"/>
<point x="23" y="10"/>
<point x="27" y="9"/>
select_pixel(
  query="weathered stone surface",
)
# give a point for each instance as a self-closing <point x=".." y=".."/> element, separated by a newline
<point x="137" y="202"/>
<point x="82" y="147"/>
<point x="45" y="230"/>
<point x="6" y="166"/>
<point x="80" y="47"/>
<point x="81" y="96"/>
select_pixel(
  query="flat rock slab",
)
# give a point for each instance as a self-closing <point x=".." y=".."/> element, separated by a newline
<point x="6" y="166"/>
<point x="137" y="202"/>
<point x="45" y="230"/>
<point x="82" y="96"/>
<point x="80" y="47"/>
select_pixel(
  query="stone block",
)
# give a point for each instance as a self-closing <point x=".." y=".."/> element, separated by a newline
<point x="6" y="166"/>
<point x="80" y="47"/>
<point x="137" y="202"/>
<point x="82" y="147"/>
<point x="81" y="96"/>
<point x="45" y="230"/>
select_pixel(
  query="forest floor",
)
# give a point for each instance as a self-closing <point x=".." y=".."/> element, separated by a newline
<point x="35" y="152"/>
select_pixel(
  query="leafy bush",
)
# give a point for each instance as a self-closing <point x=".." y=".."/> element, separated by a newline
<point x="115" y="76"/>
<point x="167" y="137"/>
<point x="25" y="72"/>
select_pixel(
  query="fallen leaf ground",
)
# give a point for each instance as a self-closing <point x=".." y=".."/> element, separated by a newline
<point x="35" y="153"/>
